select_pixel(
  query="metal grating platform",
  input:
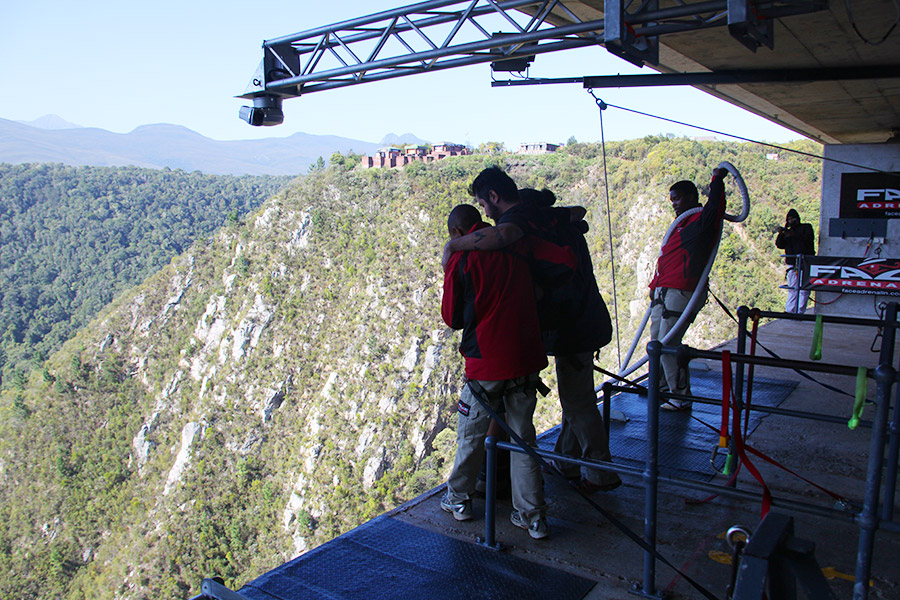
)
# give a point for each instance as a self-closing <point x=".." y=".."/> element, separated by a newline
<point x="388" y="559"/>
<point x="685" y="445"/>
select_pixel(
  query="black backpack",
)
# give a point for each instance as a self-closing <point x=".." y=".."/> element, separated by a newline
<point x="574" y="317"/>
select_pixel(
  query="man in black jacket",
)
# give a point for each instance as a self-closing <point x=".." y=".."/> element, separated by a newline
<point x="795" y="238"/>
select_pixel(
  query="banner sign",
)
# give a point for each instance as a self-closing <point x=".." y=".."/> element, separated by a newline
<point x="852" y="275"/>
<point x="870" y="196"/>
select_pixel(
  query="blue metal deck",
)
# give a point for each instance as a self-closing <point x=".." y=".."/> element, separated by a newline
<point x="388" y="559"/>
<point x="685" y="443"/>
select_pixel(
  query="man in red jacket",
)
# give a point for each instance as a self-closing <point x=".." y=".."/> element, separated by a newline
<point x="678" y="269"/>
<point x="490" y="296"/>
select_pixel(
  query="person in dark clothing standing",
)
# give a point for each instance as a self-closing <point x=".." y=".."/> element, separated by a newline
<point x="795" y="238"/>
<point x="490" y="296"/>
<point x="679" y="267"/>
<point x="578" y="328"/>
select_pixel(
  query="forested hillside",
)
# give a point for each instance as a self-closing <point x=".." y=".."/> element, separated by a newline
<point x="289" y="377"/>
<point x="71" y="239"/>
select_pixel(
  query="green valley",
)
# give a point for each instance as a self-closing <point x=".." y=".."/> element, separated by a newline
<point x="273" y="384"/>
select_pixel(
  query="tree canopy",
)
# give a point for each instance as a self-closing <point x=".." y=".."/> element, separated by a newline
<point x="72" y="238"/>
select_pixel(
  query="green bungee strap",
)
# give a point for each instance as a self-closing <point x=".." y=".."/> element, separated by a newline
<point x="861" y="387"/>
<point x="815" y="353"/>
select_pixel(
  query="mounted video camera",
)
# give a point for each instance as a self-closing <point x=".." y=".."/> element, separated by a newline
<point x="266" y="111"/>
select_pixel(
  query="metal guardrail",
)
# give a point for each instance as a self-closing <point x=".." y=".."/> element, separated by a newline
<point x="869" y="519"/>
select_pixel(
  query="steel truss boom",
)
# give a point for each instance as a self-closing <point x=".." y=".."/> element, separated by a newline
<point x="445" y="34"/>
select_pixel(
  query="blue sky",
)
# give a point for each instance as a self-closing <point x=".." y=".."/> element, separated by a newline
<point x="119" y="65"/>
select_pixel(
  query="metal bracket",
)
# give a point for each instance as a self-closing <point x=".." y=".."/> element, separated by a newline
<point x="280" y="62"/>
<point x="746" y="27"/>
<point x="774" y="562"/>
<point x="214" y="589"/>
<point x="513" y="58"/>
<point x="860" y="228"/>
<point x="621" y="40"/>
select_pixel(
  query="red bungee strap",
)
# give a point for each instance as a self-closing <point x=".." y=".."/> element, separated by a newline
<point x="739" y="441"/>
<point x="772" y="462"/>
<point x="743" y="448"/>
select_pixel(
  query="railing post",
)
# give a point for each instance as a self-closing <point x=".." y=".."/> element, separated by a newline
<point x="868" y="518"/>
<point x="490" y="492"/>
<point x="890" y="475"/>
<point x="743" y="313"/>
<point x="651" y="469"/>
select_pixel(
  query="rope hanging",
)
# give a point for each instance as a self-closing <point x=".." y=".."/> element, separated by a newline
<point x="752" y="141"/>
<point x="612" y="261"/>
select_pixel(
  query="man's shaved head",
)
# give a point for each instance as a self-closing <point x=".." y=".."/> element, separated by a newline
<point x="463" y="218"/>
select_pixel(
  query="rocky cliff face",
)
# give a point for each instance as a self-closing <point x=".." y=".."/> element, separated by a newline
<point x="270" y="388"/>
<point x="308" y="335"/>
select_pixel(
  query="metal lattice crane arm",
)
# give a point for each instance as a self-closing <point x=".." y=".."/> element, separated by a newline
<point x="445" y="34"/>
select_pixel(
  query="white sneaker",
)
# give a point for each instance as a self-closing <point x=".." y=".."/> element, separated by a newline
<point x="675" y="405"/>
<point x="537" y="529"/>
<point x="461" y="511"/>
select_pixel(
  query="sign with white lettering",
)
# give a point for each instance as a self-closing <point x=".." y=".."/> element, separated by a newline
<point x="870" y="196"/>
<point x="852" y="275"/>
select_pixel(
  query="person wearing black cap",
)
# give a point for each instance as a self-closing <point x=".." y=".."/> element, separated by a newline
<point x="795" y="238"/>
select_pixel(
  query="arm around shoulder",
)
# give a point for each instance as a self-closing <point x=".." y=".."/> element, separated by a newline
<point x="452" y="299"/>
<point x="576" y="213"/>
<point x="487" y="238"/>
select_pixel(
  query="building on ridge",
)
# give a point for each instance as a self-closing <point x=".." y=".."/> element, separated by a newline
<point x="394" y="157"/>
<point x="538" y="148"/>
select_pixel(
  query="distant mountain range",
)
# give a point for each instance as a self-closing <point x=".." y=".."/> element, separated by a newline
<point x="392" y="139"/>
<point x="51" y="139"/>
